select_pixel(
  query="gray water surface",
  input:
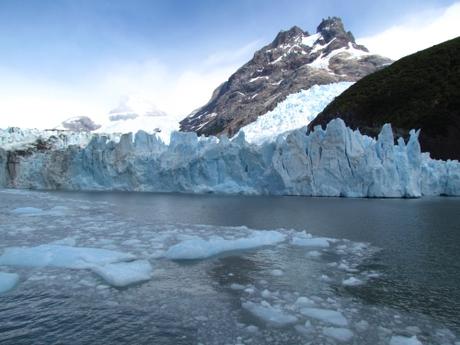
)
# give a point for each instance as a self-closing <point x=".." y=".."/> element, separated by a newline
<point x="413" y="245"/>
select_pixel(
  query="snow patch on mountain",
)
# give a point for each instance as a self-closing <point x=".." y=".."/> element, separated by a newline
<point x="296" y="111"/>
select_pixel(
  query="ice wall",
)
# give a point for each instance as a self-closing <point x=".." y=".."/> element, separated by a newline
<point x="332" y="162"/>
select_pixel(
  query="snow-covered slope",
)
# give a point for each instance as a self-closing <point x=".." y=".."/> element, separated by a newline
<point x="296" y="111"/>
<point x="332" y="162"/>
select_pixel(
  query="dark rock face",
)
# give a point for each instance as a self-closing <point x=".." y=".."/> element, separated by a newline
<point x="80" y="124"/>
<point x="420" y="91"/>
<point x="295" y="60"/>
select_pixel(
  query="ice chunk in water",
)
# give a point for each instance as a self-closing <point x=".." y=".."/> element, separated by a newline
<point x="61" y="256"/>
<point x="326" y="315"/>
<point x="269" y="314"/>
<point x="199" y="248"/>
<point x="338" y="334"/>
<point x="400" y="340"/>
<point x="125" y="273"/>
<point x="307" y="240"/>
<point x="303" y="301"/>
<point x="8" y="281"/>
<point x="27" y="210"/>
<point x="276" y="273"/>
<point x="352" y="281"/>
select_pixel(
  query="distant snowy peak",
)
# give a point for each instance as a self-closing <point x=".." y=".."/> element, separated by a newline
<point x="134" y="106"/>
<point x="136" y="113"/>
<point x="294" y="61"/>
<point x="79" y="124"/>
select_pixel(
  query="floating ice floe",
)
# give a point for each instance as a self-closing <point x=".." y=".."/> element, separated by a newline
<point x="27" y="211"/>
<point x="352" y="281"/>
<point x="116" y="268"/>
<point x="199" y="248"/>
<point x="338" y="334"/>
<point x="328" y="316"/>
<point x="400" y="340"/>
<point x="8" y="281"/>
<point x="122" y="274"/>
<point x="269" y="314"/>
<point x="307" y="240"/>
<point x="34" y="211"/>
<point x="61" y="256"/>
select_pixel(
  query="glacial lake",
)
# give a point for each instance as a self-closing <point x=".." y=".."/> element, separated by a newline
<point x="403" y="256"/>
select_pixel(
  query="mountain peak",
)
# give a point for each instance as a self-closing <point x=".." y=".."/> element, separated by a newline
<point x="333" y="27"/>
<point x="284" y="37"/>
<point x="294" y="61"/>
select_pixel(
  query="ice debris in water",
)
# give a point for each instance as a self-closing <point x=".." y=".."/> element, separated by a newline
<point x="116" y="268"/>
<point x="352" y="281"/>
<point x="307" y="240"/>
<point x="276" y="273"/>
<point x="8" y="281"/>
<point x="198" y="248"/>
<point x="338" y="334"/>
<point x="400" y="340"/>
<point x="61" y="256"/>
<point x="34" y="211"/>
<point x="329" y="316"/>
<point x="27" y="210"/>
<point x="125" y="273"/>
<point x="269" y="314"/>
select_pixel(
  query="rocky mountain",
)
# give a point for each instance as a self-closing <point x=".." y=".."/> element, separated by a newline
<point x="295" y="60"/>
<point x="418" y="91"/>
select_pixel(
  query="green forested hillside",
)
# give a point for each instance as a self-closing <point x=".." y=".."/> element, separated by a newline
<point x="418" y="91"/>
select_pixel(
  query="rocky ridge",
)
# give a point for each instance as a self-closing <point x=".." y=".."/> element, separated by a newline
<point x="295" y="60"/>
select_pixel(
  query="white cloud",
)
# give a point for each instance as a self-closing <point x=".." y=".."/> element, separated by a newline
<point x="231" y="56"/>
<point x="28" y="102"/>
<point x="422" y="30"/>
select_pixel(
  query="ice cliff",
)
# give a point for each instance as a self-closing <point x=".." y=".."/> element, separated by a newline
<point x="333" y="162"/>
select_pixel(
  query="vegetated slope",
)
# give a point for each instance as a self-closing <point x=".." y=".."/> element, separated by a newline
<point x="419" y="91"/>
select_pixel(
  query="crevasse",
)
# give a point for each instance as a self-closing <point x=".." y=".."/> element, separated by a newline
<point x="333" y="162"/>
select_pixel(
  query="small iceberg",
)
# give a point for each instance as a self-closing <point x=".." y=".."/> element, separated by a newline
<point x="269" y="314"/>
<point x="306" y="240"/>
<point x="8" y="281"/>
<point x="329" y="316"/>
<point x="198" y="248"/>
<point x="341" y="335"/>
<point x="122" y="274"/>
<point x="61" y="256"/>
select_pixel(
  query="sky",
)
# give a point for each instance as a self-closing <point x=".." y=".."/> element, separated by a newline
<point x="64" y="58"/>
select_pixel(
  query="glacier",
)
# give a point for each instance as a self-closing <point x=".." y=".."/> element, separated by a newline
<point x="296" y="111"/>
<point x="335" y="161"/>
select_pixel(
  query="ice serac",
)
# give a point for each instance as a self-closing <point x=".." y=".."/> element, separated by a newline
<point x="336" y="161"/>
